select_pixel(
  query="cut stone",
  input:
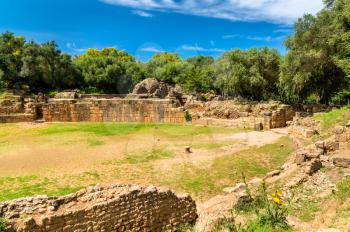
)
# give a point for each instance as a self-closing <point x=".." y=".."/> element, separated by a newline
<point x="342" y="160"/>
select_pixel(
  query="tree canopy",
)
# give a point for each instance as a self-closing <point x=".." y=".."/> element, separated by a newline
<point x="316" y="64"/>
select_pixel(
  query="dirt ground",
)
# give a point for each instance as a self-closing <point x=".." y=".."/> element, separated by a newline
<point x="27" y="154"/>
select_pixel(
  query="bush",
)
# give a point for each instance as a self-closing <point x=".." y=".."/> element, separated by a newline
<point x="188" y="117"/>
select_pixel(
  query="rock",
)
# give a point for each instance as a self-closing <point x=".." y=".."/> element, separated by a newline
<point x="272" y="174"/>
<point x="300" y="157"/>
<point x="314" y="155"/>
<point x="147" y="86"/>
<point x="188" y="149"/>
<point x="338" y="130"/>
<point x="297" y="180"/>
<point x="347" y="124"/>
<point x="175" y="92"/>
<point x="256" y="181"/>
<point x="242" y="200"/>
<point x="313" y="166"/>
<point x="341" y="160"/>
<point x="238" y="188"/>
<point x="29" y="222"/>
<point x="153" y="88"/>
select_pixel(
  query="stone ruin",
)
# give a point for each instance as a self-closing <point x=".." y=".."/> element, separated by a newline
<point x="150" y="102"/>
<point x="240" y="114"/>
<point x="112" y="208"/>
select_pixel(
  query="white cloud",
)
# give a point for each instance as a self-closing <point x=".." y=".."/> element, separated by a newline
<point x="283" y="30"/>
<point x="200" y="49"/>
<point x="255" y="38"/>
<point x="277" y="11"/>
<point x="151" y="49"/>
<point x="72" y="47"/>
<point x="142" y="13"/>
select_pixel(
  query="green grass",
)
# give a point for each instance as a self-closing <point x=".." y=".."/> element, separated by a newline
<point x="95" y="142"/>
<point x="343" y="187"/>
<point x="210" y="178"/>
<point x="24" y="186"/>
<point x="147" y="156"/>
<point x="110" y="129"/>
<point x="335" y="117"/>
<point x="306" y="209"/>
<point x="2" y="225"/>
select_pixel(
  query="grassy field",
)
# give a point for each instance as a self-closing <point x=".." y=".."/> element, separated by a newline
<point x="56" y="159"/>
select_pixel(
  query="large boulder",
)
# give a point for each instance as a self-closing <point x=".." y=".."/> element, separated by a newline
<point x="154" y="88"/>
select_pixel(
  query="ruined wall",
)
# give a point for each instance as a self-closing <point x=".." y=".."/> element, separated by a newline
<point x="113" y="110"/>
<point x="248" y="116"/>
<point x="342" y="137"/>
<point x="16" y="108"/>
<point x="112" y="208"/>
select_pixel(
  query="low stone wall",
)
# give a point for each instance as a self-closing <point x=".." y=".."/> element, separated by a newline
<point x="113" y="110"/>
<point x="14" y="118"/>
<point x="112" y="208"/>
<point x="274" y="119"/>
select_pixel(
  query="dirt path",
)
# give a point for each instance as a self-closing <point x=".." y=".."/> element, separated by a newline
<point x="241" y="141"/>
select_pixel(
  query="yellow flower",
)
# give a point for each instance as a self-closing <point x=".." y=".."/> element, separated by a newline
<point x="277" y="198"/>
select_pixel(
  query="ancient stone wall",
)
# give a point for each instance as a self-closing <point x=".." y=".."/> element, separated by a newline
<point x="247" y="116"/>
<point x="112" y="208"/>
<point x="113" y="110"/>
<point x="16" y="108"/>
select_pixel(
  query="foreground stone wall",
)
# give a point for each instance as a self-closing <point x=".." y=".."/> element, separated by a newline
<point x="113" y="110"/>
<point x="112" y="208"/>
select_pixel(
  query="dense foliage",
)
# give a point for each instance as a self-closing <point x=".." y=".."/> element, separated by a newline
<point x="316" y="65"/>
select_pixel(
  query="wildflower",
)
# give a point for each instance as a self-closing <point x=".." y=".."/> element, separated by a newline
<point x="277" y="198"/>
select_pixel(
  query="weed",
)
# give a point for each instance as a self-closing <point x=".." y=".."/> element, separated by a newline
<point x="271" y="215"/>
<point x="3" y="225"/>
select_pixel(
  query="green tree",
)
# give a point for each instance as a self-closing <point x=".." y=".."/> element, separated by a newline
<point x="318" y="58"/>
<point x="11" y="49"/>
<point x="252" y="74"/>
<point x="109" y="70"/>
<point x="44" y="68"/>
<point x="167" y="67"/>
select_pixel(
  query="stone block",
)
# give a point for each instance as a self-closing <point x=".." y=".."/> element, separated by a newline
<point x="341" y="160"/>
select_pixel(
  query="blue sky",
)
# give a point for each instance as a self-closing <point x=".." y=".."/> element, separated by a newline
<point x="189" y="27"/>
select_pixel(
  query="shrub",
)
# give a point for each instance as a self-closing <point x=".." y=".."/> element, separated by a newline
<point x="188" y="117"/>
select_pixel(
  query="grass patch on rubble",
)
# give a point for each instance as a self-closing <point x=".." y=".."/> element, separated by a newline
<point x="343" y="188"/>
<point x="211" y="177"/>
<point x="330" y="119"/>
